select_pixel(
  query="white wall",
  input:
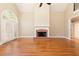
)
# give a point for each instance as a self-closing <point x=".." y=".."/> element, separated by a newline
<point x="58" y="21"/>
<point x="68" y="15"/>
<point x="27" y="24"/>
<point x="57" y="24"/>
<point x="41" y="15"/>
<point x="26" y="20"/>
<point x="36" y="16"/>
<point x="7" y="6"/>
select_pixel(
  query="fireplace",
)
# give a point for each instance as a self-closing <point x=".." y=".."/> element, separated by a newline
<point x="41" y="33"/>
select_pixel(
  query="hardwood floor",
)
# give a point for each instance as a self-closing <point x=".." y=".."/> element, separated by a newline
<point x="40" y="47"/>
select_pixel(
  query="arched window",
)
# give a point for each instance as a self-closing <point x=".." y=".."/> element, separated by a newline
<point x="8" y="15"/>
<point x="9" y="25"/>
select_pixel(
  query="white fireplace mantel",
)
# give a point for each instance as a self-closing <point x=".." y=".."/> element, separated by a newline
<point x="41" y="27"/>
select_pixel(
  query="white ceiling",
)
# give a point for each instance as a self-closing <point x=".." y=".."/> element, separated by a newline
<point x="59" y="7"/>
<point x="29" y="7"/>
<point x="25" y="7"/>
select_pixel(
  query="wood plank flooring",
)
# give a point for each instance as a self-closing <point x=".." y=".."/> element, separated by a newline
<point x="40" y="47"/>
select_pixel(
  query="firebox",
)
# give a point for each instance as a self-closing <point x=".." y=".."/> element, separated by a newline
<point x="41" y="33"/>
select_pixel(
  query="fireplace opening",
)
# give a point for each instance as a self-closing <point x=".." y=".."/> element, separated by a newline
<point x="41" y="34"/>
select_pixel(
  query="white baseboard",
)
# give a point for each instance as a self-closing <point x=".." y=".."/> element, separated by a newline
<point x="59" y="37"/>
<point x="26" y="36"/>
<point x="68" y="38"/>
<point x="1" y="43"/>
<point x="33" y="36"/>
<point x="49" y="37"/>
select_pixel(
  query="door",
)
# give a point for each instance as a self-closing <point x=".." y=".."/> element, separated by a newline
<point x="10" y="30"/>
<point x="76" y="30"/>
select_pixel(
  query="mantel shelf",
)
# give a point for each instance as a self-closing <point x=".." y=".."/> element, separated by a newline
<point x="41" y="26"/>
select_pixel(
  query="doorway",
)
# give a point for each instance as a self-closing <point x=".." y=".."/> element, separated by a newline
<point x="9" y="26"/>
<point x="75" y="28"/>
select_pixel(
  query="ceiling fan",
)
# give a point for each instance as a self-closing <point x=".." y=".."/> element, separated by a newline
<point x="42" y="4"/>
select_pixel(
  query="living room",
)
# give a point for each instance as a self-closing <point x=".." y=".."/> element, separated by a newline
<point x="40" y="27"/>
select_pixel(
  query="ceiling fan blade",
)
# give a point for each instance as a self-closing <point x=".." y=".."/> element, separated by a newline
<point x="49" y="3"/>
<point x="40" y="4"/>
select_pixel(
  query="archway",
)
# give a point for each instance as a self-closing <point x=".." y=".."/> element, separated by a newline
<point x="9" y="26"/>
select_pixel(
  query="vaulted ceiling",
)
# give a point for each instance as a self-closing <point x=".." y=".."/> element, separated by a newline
<point x="59" y="7"/>
<point x="29" y="7"/>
